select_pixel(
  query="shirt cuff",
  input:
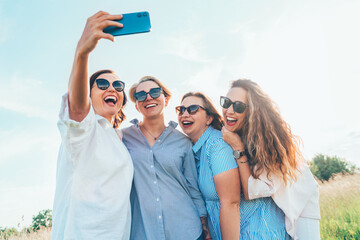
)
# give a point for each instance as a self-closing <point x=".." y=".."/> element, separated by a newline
<point x="258" y="188"/>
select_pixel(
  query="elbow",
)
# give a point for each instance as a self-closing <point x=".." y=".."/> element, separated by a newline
<point x="233" y="203"/>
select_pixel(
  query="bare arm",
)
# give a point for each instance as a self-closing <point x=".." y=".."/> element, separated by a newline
<point x="79" y="89"/>
<point x="228" y="188"/>
<point x="235" y="142"/>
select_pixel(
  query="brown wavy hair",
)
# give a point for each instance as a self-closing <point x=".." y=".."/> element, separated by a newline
<point x="165" y="90"/>
<point x="268" y="139"/>
<point x="120" y="117"/>
<point x="217" y="121"/>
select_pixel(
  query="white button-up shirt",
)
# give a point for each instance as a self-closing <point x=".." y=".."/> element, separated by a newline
<point x="93" y="180"/>
<point x="296" y="199"/>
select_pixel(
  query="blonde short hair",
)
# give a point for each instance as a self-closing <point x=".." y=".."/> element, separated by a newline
<point x="165" y="90"/>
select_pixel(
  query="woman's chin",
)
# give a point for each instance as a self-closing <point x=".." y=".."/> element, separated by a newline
<point x="230" y="127"/>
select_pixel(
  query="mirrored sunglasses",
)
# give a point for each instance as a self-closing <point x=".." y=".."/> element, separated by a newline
<point x="154" y="93"/>
<point x="104" y="84"/>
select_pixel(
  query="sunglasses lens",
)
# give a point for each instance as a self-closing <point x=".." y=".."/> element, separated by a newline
<point x="192" y="109"/>
<point x="140" y="96"/>
<point x="102" y="84"/>
<point x="119" y="85"/>
<point x="180" y="110"/>
<point x="155" y="92"/>
<point x="239" y="107"/>
<point x="225" y="102"/>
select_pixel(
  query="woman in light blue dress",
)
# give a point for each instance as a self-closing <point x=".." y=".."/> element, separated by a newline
<point x="218" y="182"/>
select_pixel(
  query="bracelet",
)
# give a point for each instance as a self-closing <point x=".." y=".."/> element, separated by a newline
<point x="242" y="161"/>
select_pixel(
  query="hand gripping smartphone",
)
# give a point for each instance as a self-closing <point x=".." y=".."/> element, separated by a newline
<point x="138" y="22"/>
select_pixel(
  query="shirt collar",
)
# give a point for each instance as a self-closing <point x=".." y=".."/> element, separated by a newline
<point x="171" y="124"/>
<point x="103" y="121"/>
<point x="204" y="137"/>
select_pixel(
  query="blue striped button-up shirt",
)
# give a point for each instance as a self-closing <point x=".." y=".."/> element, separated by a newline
<point x="213" y="156"/>
<point x="166" y="201"/>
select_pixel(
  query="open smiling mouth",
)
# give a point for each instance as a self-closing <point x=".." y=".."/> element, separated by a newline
<point x="230" y="121"/>
<point x="150" y="105"/>
<point x="110" y="100"/>
<point x="187" y="123"/>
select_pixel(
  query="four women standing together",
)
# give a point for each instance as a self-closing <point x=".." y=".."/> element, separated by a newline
<point x="238" y="178"/>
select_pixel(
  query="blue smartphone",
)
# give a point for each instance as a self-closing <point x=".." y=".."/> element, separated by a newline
<point x="138" y="22"/>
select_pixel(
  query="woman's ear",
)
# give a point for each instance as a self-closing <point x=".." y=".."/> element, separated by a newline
<point x="209" y="120"/>
<point x="136" y="106"/>
<point x="167" y="99"/>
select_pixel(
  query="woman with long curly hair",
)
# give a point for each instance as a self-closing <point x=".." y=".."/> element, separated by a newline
<point x="271" y="166"/>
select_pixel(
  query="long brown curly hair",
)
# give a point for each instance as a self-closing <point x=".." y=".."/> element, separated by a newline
<point x="268" y="139"/>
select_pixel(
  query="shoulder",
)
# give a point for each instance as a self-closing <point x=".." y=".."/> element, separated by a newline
<point x="216" y="142"/>
<point x="180" y="137"/>
<point x="132" y="128"/>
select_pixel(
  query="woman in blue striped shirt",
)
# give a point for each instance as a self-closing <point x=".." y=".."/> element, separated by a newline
<point x="218" y="176"/>
<point x="260" y="218"/>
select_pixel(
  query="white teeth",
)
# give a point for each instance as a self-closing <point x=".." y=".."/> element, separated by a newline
<point x="231" y="119"/>
<point x="185" y="123"/>
<point x="150" y="105"/>
<point x="110" y="97"/>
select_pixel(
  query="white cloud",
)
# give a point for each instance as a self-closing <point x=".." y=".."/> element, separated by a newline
<point x="29" y="97"/>
<point x="189" y="46"/>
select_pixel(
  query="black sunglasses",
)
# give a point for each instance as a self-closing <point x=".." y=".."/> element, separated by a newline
<point x="154" y="93"/>
<point x="104" y="84"/>
<point x="192" y="109"/>
<point x="238" y="106"/>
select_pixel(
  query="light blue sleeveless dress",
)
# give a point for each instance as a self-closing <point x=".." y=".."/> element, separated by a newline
<point x="261" y="218"/>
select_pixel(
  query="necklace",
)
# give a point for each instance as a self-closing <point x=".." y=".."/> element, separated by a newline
<point x="155" y="138"/>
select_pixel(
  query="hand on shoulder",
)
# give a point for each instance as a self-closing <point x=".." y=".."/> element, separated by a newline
<point x="233" y="139"/>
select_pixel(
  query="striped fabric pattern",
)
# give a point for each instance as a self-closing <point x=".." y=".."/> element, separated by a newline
<point x="260" y="218"/>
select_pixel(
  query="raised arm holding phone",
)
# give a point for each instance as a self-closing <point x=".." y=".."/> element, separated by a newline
<point x="94" y="169"/>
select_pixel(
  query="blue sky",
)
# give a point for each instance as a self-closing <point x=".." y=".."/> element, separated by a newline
<point x="305" y="55"/>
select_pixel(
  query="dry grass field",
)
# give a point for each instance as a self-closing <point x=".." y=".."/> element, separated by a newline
<point x="42" y="234"/>
<point x="340" y="208"/>
<point x="339" y="203"/>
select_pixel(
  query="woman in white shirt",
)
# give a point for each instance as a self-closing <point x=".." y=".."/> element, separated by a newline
<point x="268" y="156"/>
<point x="94" y="169"/>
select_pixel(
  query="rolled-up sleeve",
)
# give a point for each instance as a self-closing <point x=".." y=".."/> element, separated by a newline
<point x="75" y="134"/>
<point x="261" y="187"/>
<point x="190" y="174"/>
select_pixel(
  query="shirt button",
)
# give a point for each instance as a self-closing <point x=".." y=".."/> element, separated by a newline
<point x="159" y="140"/>
<point x="157" y="199"/>
<point x="160" y="217"/>
<point x="154" y="182"/>
<point x="152" y="166"/>
<point x="151" y="151"/>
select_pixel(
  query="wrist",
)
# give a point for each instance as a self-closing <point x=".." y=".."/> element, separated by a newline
<point x="239" y="154"/>
<point x="81" y="55"/>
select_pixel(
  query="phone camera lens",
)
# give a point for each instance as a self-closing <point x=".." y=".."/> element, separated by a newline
<point x="145" y="14"/>
<point x="139" y="14"/>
